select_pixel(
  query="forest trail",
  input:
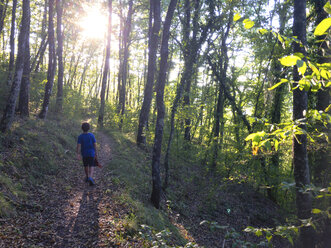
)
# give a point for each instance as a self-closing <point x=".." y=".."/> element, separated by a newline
<point x="70" y="214"/>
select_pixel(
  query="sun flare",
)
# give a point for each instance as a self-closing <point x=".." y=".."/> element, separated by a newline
<point x="94" y="23"/>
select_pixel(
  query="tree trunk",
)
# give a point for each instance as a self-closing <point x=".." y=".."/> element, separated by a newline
<point x="190" y="52"/>
<point x="51" y="62"/>
<point x="106" y="68"/>
<point x="156" y="192"/>
<point x="23" y="103"/>
<point x="43" y="44"/>
<point x="300" y="157"/>
<point x="3" y="10"/>
<point x="59" y="36"/>
<point x="124" y="74"/>
<point x="154" y="29"/>
<point x="9" y="112"/>
<point x="12" y="44"/>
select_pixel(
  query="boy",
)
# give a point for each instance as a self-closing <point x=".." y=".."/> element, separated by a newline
<point x="86" y="144"/>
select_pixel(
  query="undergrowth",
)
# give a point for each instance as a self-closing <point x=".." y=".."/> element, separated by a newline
<point x="31" y="152"/>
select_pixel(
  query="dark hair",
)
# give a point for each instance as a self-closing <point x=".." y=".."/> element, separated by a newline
<point x="85" y="127"/>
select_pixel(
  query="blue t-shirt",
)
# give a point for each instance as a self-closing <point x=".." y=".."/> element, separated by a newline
<point x="87" y="141"/>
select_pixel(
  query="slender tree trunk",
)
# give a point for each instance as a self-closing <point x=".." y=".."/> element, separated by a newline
<point x="59" y="36"/>
<point x="106" y="68"/>
<point x="3" y="10"/>
<point x="51" y="62"/>
<point x="154" y="29"/>
<point x="23" y="103"/>
<point x="126" y="36"/>
<point x="9" y="112"/>
<point x="44" y="42"/>
<point x="190" y="52"/>
<point x="156" y="192"/>
<point x="12" y="44"/>
<point x="277" y="102"/>
<point x="300" y="157"/>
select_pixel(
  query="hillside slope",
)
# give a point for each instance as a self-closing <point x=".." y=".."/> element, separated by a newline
<point x="44" y="201"/>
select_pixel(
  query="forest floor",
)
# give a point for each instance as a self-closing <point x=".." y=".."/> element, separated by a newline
<point x="54" y="207"/>
<point x="70" y="212"/>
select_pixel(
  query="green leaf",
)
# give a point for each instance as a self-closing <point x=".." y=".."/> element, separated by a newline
<point x="281" y="40"/>
<point x="248" y="23"/>
<point x="327" y="7"/>
<point x="258" y="233"/>
<point x="236" y="17"/>
<point x="269" y="236"/>
<point x="249" y="137"/>
<point x="276" y="143"/>
<point x="323" y="27"/>
<point x="325" y="74"/>
<point x="290" y="60"/>
<point x="263" y="31"/>
<point x="316" y="211"/>
<point x="278" y="84"/>
<point x="304" y="85"/>
<point x="313" y="67"/>
<point x="302" y="66"/>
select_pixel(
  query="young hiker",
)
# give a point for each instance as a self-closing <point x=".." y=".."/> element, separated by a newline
<point x="86" y="146"/>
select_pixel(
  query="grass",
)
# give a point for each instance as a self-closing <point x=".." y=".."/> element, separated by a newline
<point x="32" y="151"/>
<point x="131" y="171"/>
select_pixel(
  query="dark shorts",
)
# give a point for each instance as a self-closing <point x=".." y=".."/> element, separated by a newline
<point x="88" y="161"/>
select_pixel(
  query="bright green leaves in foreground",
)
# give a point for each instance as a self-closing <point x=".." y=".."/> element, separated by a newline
<point x="248" y="23"/>
<point x="322" y="27"/>
<point x="236" y="17"/>
<point x="289" y="60"/>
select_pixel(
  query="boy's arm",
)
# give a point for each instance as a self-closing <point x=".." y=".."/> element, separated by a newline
<point x="78" y="151"/>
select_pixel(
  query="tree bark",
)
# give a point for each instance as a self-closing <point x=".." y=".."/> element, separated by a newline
<point x="12" y="44"/>
<point x="154" y="29"/>
<point x="9" y="112"/>
<point x="3" y="10"/>
<point x="38" y="60"/>
<point x="300" y="157"/>
<point x="51" y="62"/>
<point x="23" y="103"/>
<point x="59" y="36"/>
<point x="156" y="192"/>
<point x="106" y="68"/>
<point x="124" y="74"/>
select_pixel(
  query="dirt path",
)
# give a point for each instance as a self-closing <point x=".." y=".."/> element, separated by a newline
<point x="71" y="214"/>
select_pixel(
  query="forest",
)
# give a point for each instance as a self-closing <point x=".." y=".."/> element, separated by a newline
<point x="212" y="121"/>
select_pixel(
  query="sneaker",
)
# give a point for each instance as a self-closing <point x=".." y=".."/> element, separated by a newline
<point x="91" y="181"/>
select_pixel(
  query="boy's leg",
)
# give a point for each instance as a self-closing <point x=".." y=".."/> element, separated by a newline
<point x="90" y="170"/>
<point x="86" y="169"/>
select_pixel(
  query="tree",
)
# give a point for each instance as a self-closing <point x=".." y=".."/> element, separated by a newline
<point x="51" y="61"/>
<point x="23" y="39"/>
<point x="154" y="29"/>
<point x="23" y="103"/>
<point x="124" y="64"/>
<point x="59" y="36"/>
<point x="106" y="68"/>
<point x="156" y="192"/>
<point x="12" y="43"/>
<point x="3" y="10"/>
<point x="300" y="105"/>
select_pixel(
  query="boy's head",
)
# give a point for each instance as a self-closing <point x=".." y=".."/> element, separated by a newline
<point x="85" y="127"/>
